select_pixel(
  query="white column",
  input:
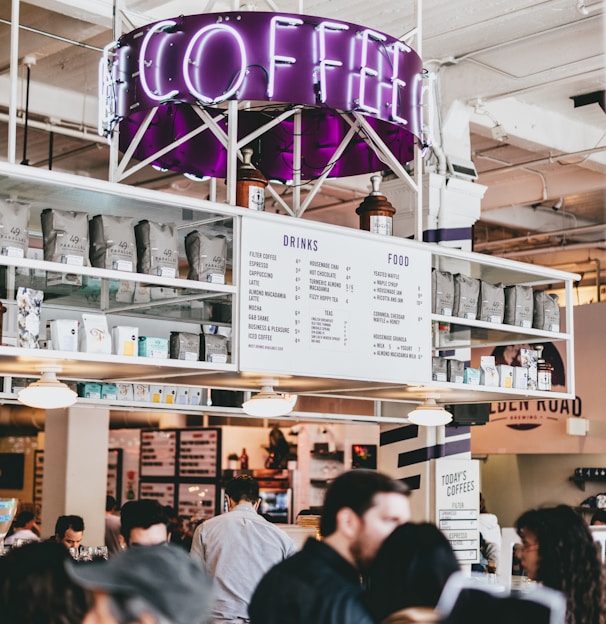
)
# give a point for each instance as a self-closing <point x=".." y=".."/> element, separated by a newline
<point x="75" y="469"/>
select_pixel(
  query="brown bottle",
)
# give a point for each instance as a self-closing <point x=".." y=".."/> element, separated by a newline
<point x="544" y="371"/>
<point x="244" y="460"/>
<point x="250" y="187"/>
<point x="376" y="212"/>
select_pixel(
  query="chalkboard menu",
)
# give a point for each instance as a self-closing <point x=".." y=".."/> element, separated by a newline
<point x="181" y="468"/>
<point x="332" y="304"/>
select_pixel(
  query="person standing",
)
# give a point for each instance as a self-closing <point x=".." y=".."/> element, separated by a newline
<point x="143" y="523"/>
<point x="559" y="552"/>
<point x="321" y="584"/>
<point x="237" y="548"/>
<point x="112" y="526"/>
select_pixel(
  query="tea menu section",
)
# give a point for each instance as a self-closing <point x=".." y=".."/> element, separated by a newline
<point x="326" y="304"/>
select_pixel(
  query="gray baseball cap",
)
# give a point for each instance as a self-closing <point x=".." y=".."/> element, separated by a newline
<point x="164" y="575"/>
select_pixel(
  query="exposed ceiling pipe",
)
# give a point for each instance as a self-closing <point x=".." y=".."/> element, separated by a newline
<point x="546" y="159"/>
<point x="554" y="249"/>
<point x="85" y="135"/>
<point x="583" y="9"/>
<point x="569" y="233"/>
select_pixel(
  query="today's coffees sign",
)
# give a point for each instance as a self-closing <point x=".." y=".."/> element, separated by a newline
<point x="271" y="60"/>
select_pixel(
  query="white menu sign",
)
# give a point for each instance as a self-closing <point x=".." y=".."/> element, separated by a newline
<point x="329" y="304"/>
<point x="458" y="505"/>
<point x="158" y="452"/>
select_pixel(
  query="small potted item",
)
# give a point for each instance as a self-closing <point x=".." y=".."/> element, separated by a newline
<point x="233" y="461"/>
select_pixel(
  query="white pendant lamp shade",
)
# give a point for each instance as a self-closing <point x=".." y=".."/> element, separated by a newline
<point x="269" y="403"/>
<point x="48" y="392"/>
<point x="430" y="414"/>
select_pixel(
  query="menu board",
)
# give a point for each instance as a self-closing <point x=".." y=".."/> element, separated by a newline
<point x="198" y="450"/>
<point x="114" y="474"/>
<point x="164" y="493"/>
<point x="458" y="506"/>
<point x="38" y="478"/>
<point x="332" y="304"/>
<point x="158" y="453"/>
<point x="197" y="500"/>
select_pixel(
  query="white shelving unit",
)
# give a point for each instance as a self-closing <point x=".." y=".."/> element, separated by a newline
<point x="187" y="302"/>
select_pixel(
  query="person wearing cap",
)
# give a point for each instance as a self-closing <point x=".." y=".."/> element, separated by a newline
<point x="158" y="584"/>
<point x="237" y="548"/>
<point x="321" y="583"/>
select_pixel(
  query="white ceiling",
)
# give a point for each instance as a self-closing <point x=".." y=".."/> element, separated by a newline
<point x="509" y="64"/>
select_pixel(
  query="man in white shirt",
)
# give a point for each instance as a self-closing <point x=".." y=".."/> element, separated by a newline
<point x="25" y="522"/>
<point x="238" y="548"/>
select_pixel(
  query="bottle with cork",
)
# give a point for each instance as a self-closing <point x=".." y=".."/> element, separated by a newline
<point x="544" y="370"/>
<point x="251" y="183"/>
<point x="376" y="212"/>
<point x="244" y="460"/>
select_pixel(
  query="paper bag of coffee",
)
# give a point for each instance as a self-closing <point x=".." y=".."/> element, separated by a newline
<point x="466" y="295"/>
<point x="184" y="346"/>
<point x="157" y="248"/>
<point x="519" y="305"/>
<point x="14" y="223"/>
<point x="491" y="307"/>
<point x="206" y="256"/>
<point x="112" y="243"/>
<point x="442" y="292"/>
<point x="65" y="236"/>
<point x="546" y="314"/>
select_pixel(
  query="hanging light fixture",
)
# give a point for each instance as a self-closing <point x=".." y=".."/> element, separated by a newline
<point x="48" y="392"/>
<point x="430" y="414"/>
<point x="268" y="402"/>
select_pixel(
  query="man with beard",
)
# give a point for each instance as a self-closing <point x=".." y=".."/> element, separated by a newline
<point x="321" y="583"/>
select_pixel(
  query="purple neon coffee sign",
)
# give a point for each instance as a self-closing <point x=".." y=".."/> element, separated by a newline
<point x="274" y="61"/>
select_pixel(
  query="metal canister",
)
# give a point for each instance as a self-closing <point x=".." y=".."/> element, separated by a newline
<point x="376" y="212"/>
<point x="250" y="187"/>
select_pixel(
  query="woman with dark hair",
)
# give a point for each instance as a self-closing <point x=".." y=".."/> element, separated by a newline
<point x="559" y="552"/>
<point x="409" y="573"/>
<point x="35" y="587"/>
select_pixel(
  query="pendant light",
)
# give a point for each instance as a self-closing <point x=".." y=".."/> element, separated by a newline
<point x="48" y="392"/>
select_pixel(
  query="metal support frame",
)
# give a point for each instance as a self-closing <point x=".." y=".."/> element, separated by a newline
<point x="358" y="126"/>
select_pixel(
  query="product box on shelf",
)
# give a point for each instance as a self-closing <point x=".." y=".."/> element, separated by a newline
<point x="439" y="369"/>
<point x="125" y="340"/>
<point x="170" y="394"/>
<point x="141" y="392"/>
<point x="156" y="393"/>
<point x="153" y="347"/>
<point x="472" y="376"/>
<point x="63" y="334"/>
<point x="505" y="375"/>
<point x="125" y="391"/>
<point x="520" y="378"/>
<point x="94" y="334"/>
<point x="195" y="396"/>
<point x="109" y="391"/>
<point x="89" y="390"/>
<point x="182" y="395"/>
<point x="529" y="360"/>
<point x="455" y="371"/>
<point x="489" y="375"/>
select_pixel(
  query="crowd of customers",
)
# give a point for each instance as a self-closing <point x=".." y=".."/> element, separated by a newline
<point x="372" y="565"/>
